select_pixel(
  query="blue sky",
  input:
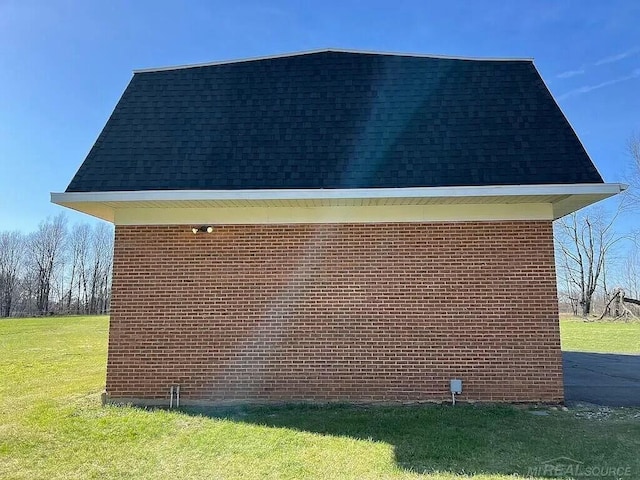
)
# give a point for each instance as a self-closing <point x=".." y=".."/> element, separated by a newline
<point x="64" y="65"/>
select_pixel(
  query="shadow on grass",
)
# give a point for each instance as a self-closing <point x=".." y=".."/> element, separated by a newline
<point x="465" y="439"/>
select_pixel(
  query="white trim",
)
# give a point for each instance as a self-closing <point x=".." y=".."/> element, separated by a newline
<point x="498" y="202"/>
<point x="355" y="193"/>
<point x="325" y="50"/>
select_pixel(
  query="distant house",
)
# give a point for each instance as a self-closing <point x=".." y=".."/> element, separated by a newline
<point x="380" y="224"/>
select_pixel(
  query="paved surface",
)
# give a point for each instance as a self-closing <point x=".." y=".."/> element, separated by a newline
<point x="602" y="378"/>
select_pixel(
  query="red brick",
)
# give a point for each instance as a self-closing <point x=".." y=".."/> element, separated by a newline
<point x="335" y="312"/>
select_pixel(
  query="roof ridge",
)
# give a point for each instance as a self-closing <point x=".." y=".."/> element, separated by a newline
<point x="333" y="50"/>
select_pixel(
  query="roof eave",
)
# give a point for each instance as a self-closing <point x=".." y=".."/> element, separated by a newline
<point x="564" y="199"/>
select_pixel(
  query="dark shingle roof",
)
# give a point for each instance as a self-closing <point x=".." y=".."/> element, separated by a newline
<point x="336" y="120"/>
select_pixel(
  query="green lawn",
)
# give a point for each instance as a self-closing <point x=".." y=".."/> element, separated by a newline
<point x="604" y="337"/>
<point x="53" y="427"/>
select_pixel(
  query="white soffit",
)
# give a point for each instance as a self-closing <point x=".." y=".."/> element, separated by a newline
<point x="562" y="200"/>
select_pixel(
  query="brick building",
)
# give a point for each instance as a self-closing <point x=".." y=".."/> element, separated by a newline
<point x="380" y="224"/>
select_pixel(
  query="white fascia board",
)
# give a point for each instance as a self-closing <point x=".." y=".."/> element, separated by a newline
<point x="606" y="189"/>
<point x="542" y="202"/>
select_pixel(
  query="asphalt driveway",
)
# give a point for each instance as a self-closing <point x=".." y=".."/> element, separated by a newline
<point x="602" y="378"/>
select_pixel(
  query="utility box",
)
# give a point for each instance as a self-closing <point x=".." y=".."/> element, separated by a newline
<point x="456" y="386"/>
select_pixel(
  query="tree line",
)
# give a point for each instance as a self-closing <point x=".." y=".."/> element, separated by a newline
<point x="58" y="269"/>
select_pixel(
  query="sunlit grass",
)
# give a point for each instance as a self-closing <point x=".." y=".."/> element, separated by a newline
<point x="602" y="337"/>
<point x="53" y="427"/>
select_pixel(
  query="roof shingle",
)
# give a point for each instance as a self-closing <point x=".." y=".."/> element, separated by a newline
<point x="336" y="120"/>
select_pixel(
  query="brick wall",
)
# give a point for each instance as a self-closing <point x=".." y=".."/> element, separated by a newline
<point x="340" y="312"/>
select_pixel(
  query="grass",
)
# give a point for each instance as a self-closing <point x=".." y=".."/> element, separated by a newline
<point x="52" y="427"/>
<point x="601" y="337"/>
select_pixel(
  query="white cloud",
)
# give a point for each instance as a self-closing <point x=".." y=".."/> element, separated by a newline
<point x="603" y="61"/>
<point x="571" y="73"/>
<point x="590" y="88"/>
<point x="617" y="57"/>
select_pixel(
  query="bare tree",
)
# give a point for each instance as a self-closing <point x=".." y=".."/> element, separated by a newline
<point x="27" y="290"/>
<point x="78" y="247"/>
<point x="584" y="243"/>
<point x="52" y="271"/>
<point x="102" y="251"/>
<point x="46" y="250"/>
<point x="630" y="277"/>
<point x="633" y="194"/>
<point x="12" y="250"/>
